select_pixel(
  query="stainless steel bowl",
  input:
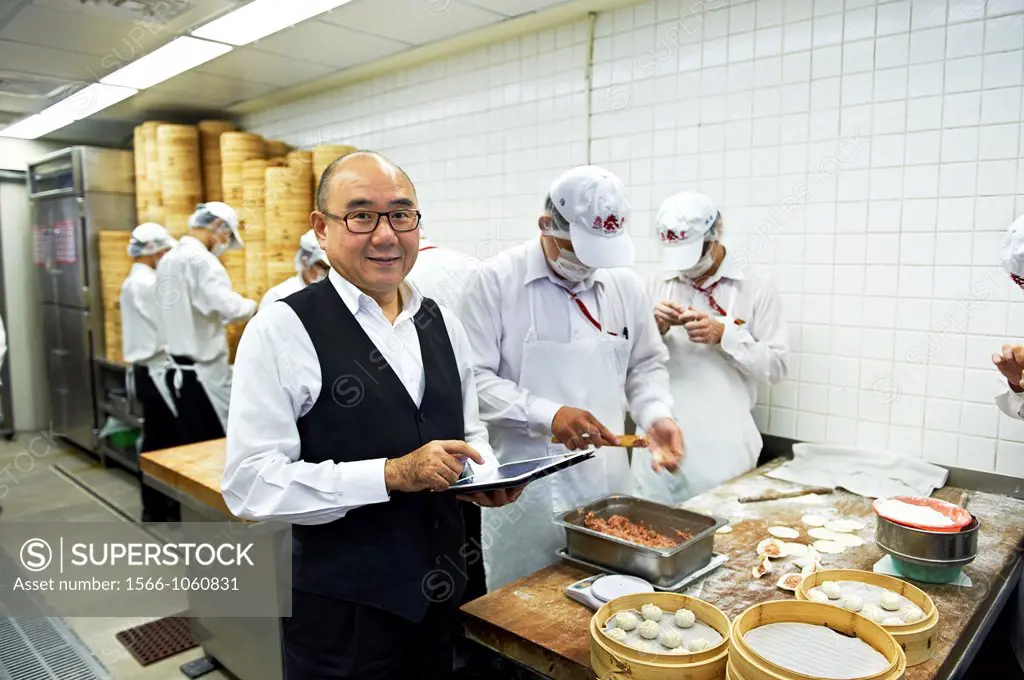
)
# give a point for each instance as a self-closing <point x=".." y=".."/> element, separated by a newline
<point x="661" y="567"/>
<point x="928" y="548"/>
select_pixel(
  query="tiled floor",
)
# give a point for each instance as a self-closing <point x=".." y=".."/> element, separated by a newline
<point x="43" y="481"/>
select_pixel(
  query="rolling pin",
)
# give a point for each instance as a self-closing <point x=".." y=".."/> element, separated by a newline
<point x="779" y="495"/>
<point x="625" y="441"/>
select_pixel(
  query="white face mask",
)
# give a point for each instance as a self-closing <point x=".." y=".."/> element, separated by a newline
<point x="702" y="266"/>
<point x="569" y="267"/>
<point x="219" y="249"/>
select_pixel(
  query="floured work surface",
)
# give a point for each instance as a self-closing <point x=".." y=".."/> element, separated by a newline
<point x="533" y="622"/>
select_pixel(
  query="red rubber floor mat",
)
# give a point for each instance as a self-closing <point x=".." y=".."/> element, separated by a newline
<point x="158" y="639"/>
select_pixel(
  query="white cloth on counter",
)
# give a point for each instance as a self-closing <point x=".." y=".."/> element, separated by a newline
<point x="277" y="380"/>
<point x="1011" y="403"/>
<point x="873" y="474"/>
<point x="194" y="300"/>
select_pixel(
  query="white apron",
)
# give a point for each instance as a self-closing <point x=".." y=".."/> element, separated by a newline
<point x="712" y="408"/>
<point x="520" y="538"/>
<point x="215" y="377"/>
<point x="157" y="365"/>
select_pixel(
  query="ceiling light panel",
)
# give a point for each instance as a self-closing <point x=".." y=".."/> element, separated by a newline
<point x="261" y="18"/>
<point x="177" y="56"/>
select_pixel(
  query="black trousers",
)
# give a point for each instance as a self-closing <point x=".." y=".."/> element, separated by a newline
<point x="197" y="418"/>
<point x="160" y="431"/>
<point x="329" y="639"/>
<point x="476" y="585"/>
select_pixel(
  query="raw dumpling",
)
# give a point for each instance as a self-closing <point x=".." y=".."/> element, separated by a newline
<point x="873" y="612"/>
<point x="890" y="601"/>
<point x="671" y="639"/>
<point x="832" y="590"/>
<point x="816" y="595"/>
<point x="685" y="618"/>
<point x="892" y="621"/>
<point x="911" y="614"/>
<point x="853" y="603"/>
<point x="616" y="634"/>
<point x="649" y="630"/>
<point x="697" y="645"/>
<point x="626" y="620"/>
<point x="651" y="612"/>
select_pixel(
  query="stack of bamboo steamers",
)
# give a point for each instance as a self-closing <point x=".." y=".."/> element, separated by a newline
<point x="270" y="186"/>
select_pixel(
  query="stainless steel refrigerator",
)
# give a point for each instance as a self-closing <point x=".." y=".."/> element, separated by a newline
<point x="76" y="193"/>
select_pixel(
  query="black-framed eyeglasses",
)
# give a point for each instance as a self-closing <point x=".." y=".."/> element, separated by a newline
<point x="365" y="221"/>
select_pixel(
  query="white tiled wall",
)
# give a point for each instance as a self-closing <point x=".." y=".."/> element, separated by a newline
<point x="867" y="154"/>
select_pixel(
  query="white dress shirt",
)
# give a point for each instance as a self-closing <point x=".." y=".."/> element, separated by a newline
<point x="441" y="274"/>
<point x="495" y="305"/>
<point x="282" y="290"/>
<point x="277" y="380"/>
<point x="759" y="346"/>
<point x="194" y="301"/>
<point x="139" y="336"/>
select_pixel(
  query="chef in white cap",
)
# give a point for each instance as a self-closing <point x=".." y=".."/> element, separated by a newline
<point x="311" y="265"/>
<point x="1010" y="362"/>
<point x="194" y="301"/>
<point x="724" y="330"/>
<point x="145" y="355"/>
<point x="563" y="339"/>
<point x="1010" y="359"/>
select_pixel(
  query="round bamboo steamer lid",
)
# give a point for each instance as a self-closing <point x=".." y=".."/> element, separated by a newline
<point x="209" y="142"/>
<point x="180" y="175"/>
<point x="749" y="665"/>
<point x="154" y="191"/>
<point x="918" y="640"/>
<point x="610" y="659"/>
<point x="235" y="149"/>
<point x="277" y="148"/>
<point x="324" y="155"/>
<point x="255" y="270"/>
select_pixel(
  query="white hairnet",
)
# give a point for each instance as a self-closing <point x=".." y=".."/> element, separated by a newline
<point x="309" y="252"/>
<point x="149" y="238"/>
<point x="207" y="214"/>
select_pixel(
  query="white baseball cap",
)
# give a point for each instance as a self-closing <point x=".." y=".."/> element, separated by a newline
<point x="149" y="238"/>
<point x="1012" y="252"/>
<point x="206" y="213"/>
<point x="593" y="201"/>
<point x="310" y="251"/>
<point x="683" y="223"/>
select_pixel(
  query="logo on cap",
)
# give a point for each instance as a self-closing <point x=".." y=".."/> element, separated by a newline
<point x="609" y="225"/>
<point x="671" y="236"/>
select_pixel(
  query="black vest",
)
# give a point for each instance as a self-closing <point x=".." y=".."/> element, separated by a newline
<point x="408" y="552"/>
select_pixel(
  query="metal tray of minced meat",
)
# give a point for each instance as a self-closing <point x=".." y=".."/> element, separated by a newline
<point x="660" y="566"/>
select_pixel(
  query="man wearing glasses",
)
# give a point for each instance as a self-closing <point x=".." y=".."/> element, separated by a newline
<point x="353" y="400"/>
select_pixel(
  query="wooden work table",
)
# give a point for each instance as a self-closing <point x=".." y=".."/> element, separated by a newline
<point x="193" y="472"/>
<point x="532" y="621"/>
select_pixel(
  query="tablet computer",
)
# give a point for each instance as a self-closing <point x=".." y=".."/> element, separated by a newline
<point x="511" y="475"/>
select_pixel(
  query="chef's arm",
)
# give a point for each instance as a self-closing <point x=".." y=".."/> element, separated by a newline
<point x="502" y="402"/>
<point x="647" y="388"/>
<point x="213" y="294"/>
<point x="1011" y="403"/>
<point x="760" y="346"/>
<point x="263" y="477"/>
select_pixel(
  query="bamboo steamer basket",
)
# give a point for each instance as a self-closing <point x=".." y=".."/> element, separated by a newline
<point x="234" y="263"/>
<point x="918" y="640"/>
<point x="235" y="149"/>
<point x="324" y="155"/>
<point x="749" y="665"/>
<point x="154" y="190"/>
<point x="280" y="268"/>
<point x="288" y="202"/>
<point x="115" y="265"/>
<point x="277" y="148"/>
<point x="255" y="269"/>
<point x="610" y="659"/>
<point x="181" y="177"/>
<point x="209" y="142"/>
<point x="254" y="204"/>
<point x="234" y="334"/>
<point x="141" y="179"/>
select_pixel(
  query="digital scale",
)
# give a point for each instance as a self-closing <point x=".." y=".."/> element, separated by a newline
<point x="594" y="591"/>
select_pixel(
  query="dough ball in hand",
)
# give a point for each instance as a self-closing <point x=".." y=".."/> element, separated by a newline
<point x="649" y="630"/>
<point x="651" y="612"/>
<point x="685" y="618"/>
<point x="626" y="620"/>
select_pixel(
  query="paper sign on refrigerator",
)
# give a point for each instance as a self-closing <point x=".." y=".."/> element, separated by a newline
<point x="64" y="239"/>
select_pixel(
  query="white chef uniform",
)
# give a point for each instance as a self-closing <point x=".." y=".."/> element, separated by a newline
<point x="308" y="255"/>
<point x="277" y="380"/>
<point x="441" y="274"/>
